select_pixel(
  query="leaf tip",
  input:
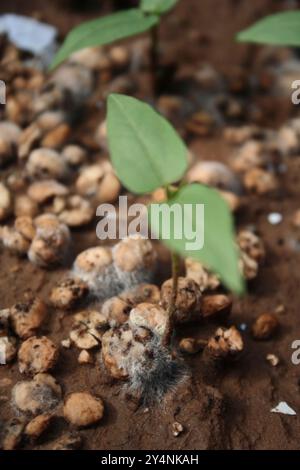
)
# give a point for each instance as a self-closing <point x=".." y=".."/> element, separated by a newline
<point x="239" y="36"/>
<point x="113" y="97"/>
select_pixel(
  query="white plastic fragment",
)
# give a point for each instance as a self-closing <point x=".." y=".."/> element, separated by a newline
<point x="30" y="35"/>
<point x="284" y="408"/>
<point x="272" y="359"/>
<point x="275" y="218"/>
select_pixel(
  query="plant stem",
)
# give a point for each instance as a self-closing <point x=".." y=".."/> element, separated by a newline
<point x="172" y="305"/>
<point x="154" y="62"/>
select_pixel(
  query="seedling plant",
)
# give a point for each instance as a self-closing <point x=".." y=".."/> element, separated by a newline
<point x="147" y="153"/>
<point x="120" y="25"/>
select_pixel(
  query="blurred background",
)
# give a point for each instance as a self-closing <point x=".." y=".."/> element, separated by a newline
<point x="197" y="30"/>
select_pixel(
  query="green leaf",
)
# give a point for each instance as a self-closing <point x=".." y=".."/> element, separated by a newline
<point x="146" y="151"/>
<point x="105" y="30"/>
<point x="157" y="6"/>
<point x="219" y="252"/>
<point x="281" y="29"/>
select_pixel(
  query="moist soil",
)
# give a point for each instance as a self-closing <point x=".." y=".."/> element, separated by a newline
<point x="230" y="410"/>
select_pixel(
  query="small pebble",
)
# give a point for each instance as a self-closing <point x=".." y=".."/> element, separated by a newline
<point x="280" y="309"/>
<point x="74" y="155"/>
<point x="177" y="429"/>
<point x="272" y="359"/>
<point x="85" y="357"/>
<point x="37" y="426"/>
<point x="275" y="218"/>
<point x="66" y="343"/>
<point x="188" y="300"/>
<point x="37" y="355"/>
<point x="41" y="191"/>
<point x="134" y="260"/>
<point x="83" y="409"/>
<point x="122" y="348"/>
<point x="116" y="311"/>
<point x="77" y="211"/>
<point x="5" y="202"/>
<point x="13" y="434"/>
<point x="191" y="345"/>
<point x="225" y="343"/>
<point x="27" y="317"/>
<point x="52" y="241"/>
<point x="260" y="181"/>
<point x="149" y="316"/>
<point x="202" y="276"/>
<point x="265" y="326"/>
<point x="68" y="292"/>
<point x="39" y="395"/>
<point x="88" y="329"/>
<point x="8" y="349"/>
<point x="44" y="163"/>
<point x="216" y="306"/>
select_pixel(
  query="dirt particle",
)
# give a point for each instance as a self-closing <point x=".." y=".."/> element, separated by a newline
<point x="149" y="316"/>
<point x="13" y="433"/>
<point x="27" y="317"/>
<point x="188" y="299"/>
<point x="37" y="355"/>
<point x="5" y="202"/>
<point x="191" y="345"/>
<point x="272" y="359"/>
<point x="8" y="348"/>
<point x="66" y="343"/>
<point x="85" y="357"/>
<point x="82" y="409"/>
<point x="68" y="292"/>
<point x="116" y="311"/>
<point x="225" y="343"/>
<point x="176" y="429"/>
<point x="88" y="329"/>
<point x="44" y="163"/>
<point x="39" y="395"/>
<point x="216" y="307"/>
<point x="37" y="426"/>
<point x="265" y="326"/>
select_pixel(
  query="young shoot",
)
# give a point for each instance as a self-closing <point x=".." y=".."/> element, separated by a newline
<point x="147" y="154"/>
<point x="117" y="26"/>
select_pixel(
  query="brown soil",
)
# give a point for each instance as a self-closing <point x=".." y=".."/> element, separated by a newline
<point x="231" y="410"/>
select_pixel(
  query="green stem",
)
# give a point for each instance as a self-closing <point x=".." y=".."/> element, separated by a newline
<point x="172" y="305"/>
<point x="171" y="190"/>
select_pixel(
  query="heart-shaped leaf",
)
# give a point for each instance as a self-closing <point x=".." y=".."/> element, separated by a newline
<point x="281" y="29"/>
<point x="146" y="151"/>
<point x="157" y="6"/>
<point x="105" y="30"/>
<point x="203" y="231"/>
